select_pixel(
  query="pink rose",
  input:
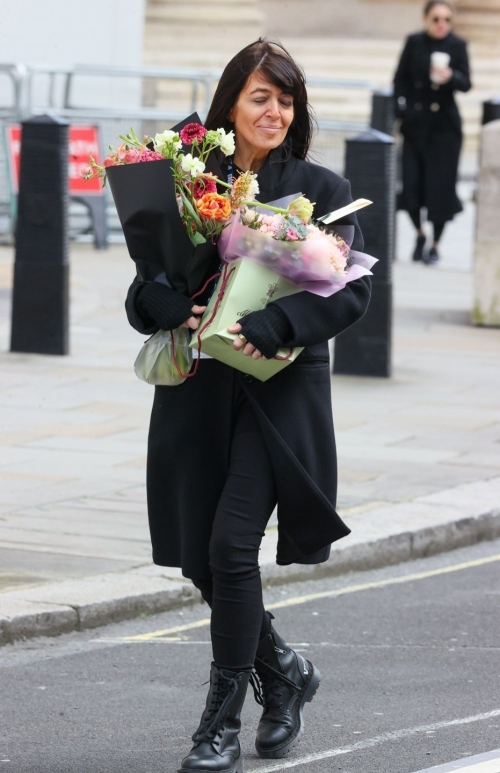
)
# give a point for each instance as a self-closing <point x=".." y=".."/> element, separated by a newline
<point x="292" y="235"/>
<point x="317" y="250"/>
<point x="120" y="153"/>
<point x="109" y="161"/>
<point x="132" y="156"/>
<point x="192" y="132"/>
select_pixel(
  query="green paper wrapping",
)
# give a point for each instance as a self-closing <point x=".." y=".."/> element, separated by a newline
<point x="249" y="287"/>
<point x="154" y="362"/>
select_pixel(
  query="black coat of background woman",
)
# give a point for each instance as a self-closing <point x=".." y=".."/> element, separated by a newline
<point x="434" y="64"/>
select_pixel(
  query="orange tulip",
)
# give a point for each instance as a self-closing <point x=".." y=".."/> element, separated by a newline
<point x="214" y="206"/>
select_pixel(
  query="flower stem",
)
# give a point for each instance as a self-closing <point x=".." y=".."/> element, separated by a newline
<point x="221" y="182"/>
<point x="265" y="206"/>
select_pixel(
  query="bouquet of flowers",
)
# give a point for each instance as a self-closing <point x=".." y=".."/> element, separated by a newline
<point x="170" y="210"/>
<point x="291" y="243"/>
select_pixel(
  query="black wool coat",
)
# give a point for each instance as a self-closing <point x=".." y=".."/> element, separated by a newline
<point x="191" y="424"/>
<point x="430" y="124"/>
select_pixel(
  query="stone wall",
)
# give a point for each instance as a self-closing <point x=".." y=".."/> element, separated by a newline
<point x="384" y="19"/>
<point x="477" y="20"/>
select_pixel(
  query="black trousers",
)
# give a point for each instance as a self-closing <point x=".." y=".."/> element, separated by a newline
<point x="245" y="506"/>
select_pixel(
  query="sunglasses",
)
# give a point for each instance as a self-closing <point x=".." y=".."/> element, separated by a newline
<point x="437" y="19"/>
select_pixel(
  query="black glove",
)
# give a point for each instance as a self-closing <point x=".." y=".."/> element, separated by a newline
<point x="166" y="307"/>
<point x="267" y="330"/>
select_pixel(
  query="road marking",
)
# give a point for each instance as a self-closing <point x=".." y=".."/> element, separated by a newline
<point x="480" y="763"/>
<point x="294" y="600"/>
<point x="393" y="735"/>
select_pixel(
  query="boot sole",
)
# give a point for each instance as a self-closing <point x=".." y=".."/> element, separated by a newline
<point x="307" y="696"/>
<point x="236" y="768"/>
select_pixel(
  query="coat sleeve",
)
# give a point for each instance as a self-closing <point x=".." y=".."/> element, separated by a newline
<point x="315" y="319"/>
<point x="460" y="80"/>
<point x="402" y="80"/>
<point x="143" y="325"/>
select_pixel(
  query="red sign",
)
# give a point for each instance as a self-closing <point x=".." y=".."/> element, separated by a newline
<point x="83" y="142"/>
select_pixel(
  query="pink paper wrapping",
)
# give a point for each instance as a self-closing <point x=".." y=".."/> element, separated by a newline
<point x="292" y="259"/>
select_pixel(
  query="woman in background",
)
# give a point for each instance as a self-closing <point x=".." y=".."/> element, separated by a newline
<point x="434" y="64"/>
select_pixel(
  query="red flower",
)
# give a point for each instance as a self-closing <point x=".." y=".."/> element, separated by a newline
<point x="191" y="132"/>
<point x="150" y="155"/>
<point x="203" y="185"/>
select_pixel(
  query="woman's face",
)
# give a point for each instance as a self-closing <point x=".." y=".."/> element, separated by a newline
<point x="262" y="114"/>
<point x="438" y="21"/>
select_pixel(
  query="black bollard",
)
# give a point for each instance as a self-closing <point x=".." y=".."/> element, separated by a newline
<point x="40" y="304"/>
<point x="491" y="110"/>
<point x="365" y="348"/>
<point x="383" y="117"/>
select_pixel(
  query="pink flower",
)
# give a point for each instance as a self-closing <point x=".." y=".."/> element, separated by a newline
<point x="150" y="155"/>
<point x="131" y="156"/>
<point x="292" y="235"/>
<point x="192" y="132"/>
<point x="120" y="153"/>
<point x="109" y="161"/>
<point x="317" y="250"/>
<point x="203" y="185"/>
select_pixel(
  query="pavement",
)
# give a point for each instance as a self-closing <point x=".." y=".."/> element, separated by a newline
<point x="408" y="656"/>
<point x="419" y="453"/>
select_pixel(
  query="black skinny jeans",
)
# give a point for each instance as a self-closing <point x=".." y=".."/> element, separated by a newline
<point x="245" y="506"/>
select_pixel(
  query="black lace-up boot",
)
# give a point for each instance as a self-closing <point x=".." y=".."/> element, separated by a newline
<point x="287" y="682"/>
<point x="418" y="252"/>
<point x="216" y="746"/>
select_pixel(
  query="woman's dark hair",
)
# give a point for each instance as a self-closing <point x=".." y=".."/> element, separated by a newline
<point x="430" y="5"/>
<point x="278" y="67"/>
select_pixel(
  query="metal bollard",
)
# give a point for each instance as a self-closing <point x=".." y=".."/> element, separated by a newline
<point x="40" y="304"/>
<point x="365" y="348"/>
<point x="491" y="110"/>
<point x="382" y="117"/>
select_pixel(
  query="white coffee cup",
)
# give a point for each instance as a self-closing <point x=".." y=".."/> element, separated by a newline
<point x="438" y="59"/>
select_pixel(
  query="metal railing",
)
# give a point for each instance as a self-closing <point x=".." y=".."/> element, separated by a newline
<point x="37" y="89"/>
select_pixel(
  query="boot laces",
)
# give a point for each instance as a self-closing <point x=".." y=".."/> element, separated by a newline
<point x="267" y="689"/>
<point x="212" y="725"/>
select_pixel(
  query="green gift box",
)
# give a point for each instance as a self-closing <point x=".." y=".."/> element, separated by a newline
<point x="243" y="286"/>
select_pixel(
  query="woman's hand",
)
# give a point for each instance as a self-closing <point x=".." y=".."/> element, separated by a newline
<point x="194" y="321"/>
<point x="441" y="75"/>
<point x="248" y="348"/>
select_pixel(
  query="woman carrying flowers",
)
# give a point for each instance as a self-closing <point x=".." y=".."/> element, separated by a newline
<point x="225" y="449"/>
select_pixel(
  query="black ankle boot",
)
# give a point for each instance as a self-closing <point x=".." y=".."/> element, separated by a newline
<point x="418" y="252"/>
<point x="216" y="746"/>
<point x="288" y="682"/>
<point x="432" y="257"/>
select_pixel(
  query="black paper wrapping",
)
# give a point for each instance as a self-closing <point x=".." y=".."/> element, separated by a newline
<point x="156" y="238"/>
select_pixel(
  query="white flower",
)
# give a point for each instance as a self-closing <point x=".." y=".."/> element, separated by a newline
<point x="167" y="137"/>
<point x="253" y="189"/>
<point x="226" y="142"/>
<point x="192" y="165"/>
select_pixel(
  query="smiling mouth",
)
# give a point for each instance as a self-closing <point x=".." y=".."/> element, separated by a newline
<point x="270" y="128"/>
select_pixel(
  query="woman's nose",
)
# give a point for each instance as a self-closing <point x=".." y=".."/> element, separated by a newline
<point x="273" y="110"/>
